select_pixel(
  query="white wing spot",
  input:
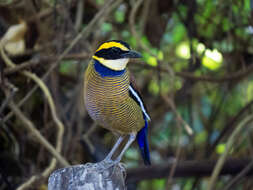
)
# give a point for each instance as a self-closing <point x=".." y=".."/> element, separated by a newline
<point x="140" y="102"/>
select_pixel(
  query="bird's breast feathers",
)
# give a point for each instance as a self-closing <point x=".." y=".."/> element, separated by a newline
<point x="112" y="102"/>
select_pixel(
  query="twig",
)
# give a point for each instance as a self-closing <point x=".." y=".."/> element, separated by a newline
<point x="144" y="15"/>
<point x="239" y="176"/>
<point x="20" y="67"/>
<point x="230" y="76"/>
<point x="133" y="29"/>
<point x="30" y="126"/>
<point x="47" y="94"/>
<point x="43" y="14"/>
<point x="48" y="59"/>
<point x="79" y="15"/>
<point x="8" y="99"/>
<point x="132" y="21"/>
<point x="178" y="151"/>
<point x="230" y="125"/>
<point x="28" y="184"/>
<point x="178" y="116"/>
<point x="186" y="169"/>
<point x="229" y="144"/>
<point x="86" y="139"/>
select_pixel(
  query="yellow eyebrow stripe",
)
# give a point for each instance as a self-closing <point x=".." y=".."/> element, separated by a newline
<point x="100" y="59"/>
<point x="112" y="44"/>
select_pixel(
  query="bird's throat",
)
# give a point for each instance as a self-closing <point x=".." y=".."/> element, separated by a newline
<point x="105" y="71"/>
<point x="114" y="64"/>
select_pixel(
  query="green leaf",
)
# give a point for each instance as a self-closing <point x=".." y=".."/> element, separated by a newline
<point x="226" y="24"/>
<point x="247" y="5"/>
<point x="66" y="67"/>
<point x="119" y="16"/>
<point x="106" y="27"/>
<point x="159" y="184"/>
<point x="100" y="2"/>
<point x="160" y="55"/>
<point x="133" y="42"/>
<point x="208" y="8"/>
<point x="250" y="91"/>
<point x="125" y="34"/>
<point x="153" y="87"/>
<point x="178" y="33"/>
<point x="178" y="84"/>
<point x="149" y="59"/>
<point x="144" y="39"/>
<point x="201" y="137"/>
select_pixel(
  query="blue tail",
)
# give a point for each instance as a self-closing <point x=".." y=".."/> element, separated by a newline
<point x="143" y="144"/>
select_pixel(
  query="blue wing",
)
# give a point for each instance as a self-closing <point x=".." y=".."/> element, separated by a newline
<point x="142" y="134"/>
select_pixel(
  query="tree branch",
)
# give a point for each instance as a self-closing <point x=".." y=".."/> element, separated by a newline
<point x="199" y="168"/>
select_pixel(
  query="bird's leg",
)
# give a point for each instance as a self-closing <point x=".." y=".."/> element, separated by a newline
<point x="129" y="142"/>
<point x="109" y="156"/>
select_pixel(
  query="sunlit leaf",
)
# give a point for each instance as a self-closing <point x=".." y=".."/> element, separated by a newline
<point x="160" y="55"/>
<point x="220" y="148"/>
<point x="200" y="48"/>
<point x="149" y="59"/>
<point x="183" y="50"/>
<point x="152" y="61"/>
<point x="212" y="59"/>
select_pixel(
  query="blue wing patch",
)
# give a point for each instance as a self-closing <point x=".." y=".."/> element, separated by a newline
<point x="142" y="138"/>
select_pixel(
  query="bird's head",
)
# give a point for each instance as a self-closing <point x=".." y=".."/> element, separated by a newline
<point x="115" y="54"/>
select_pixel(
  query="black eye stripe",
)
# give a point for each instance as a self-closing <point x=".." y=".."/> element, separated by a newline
<point x="110" y="53"/>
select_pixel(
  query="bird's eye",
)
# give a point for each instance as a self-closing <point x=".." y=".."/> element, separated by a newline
<point x="115" y="50"/>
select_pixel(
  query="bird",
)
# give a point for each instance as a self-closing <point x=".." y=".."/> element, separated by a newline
<point x="112" y="99"/>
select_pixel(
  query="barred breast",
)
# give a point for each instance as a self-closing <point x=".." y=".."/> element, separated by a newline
<point x="108" y="102"/>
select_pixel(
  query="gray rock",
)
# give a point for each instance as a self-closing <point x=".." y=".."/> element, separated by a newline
<point x="97" y="176"/>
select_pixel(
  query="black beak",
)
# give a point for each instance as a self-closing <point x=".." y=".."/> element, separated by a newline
<point x="131" y="54"/>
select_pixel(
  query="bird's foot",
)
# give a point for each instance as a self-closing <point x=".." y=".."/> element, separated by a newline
<point x="108" y="162"/>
